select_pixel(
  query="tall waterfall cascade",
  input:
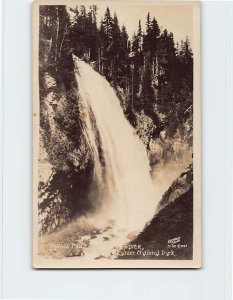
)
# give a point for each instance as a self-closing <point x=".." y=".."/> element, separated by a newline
<point x="123" y="171"/>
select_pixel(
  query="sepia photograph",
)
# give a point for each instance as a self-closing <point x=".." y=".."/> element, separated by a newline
<point x="116" y="134"/>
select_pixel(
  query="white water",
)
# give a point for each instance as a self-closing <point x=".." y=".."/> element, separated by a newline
<point x="127" y="191"/>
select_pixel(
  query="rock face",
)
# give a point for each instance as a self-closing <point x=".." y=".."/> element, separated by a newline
<point x="169" y="235"/>
<point x="178" y="188"/>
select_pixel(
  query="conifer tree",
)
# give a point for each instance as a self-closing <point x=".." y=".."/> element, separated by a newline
<point x="153" y="37"/>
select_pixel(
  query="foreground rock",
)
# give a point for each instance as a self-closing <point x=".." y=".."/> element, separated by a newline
<point x="169" y="235"/>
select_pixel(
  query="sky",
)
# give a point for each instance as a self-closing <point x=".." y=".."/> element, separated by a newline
<point x="176" y="18"/>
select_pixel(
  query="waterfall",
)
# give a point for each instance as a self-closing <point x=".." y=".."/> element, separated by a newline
<point x="123" y="173"/>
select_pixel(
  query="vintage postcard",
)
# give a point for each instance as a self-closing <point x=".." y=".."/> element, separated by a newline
<point x="116" y="134"/>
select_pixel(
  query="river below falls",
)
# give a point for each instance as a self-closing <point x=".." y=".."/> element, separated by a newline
<point x="82" y="239"/>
